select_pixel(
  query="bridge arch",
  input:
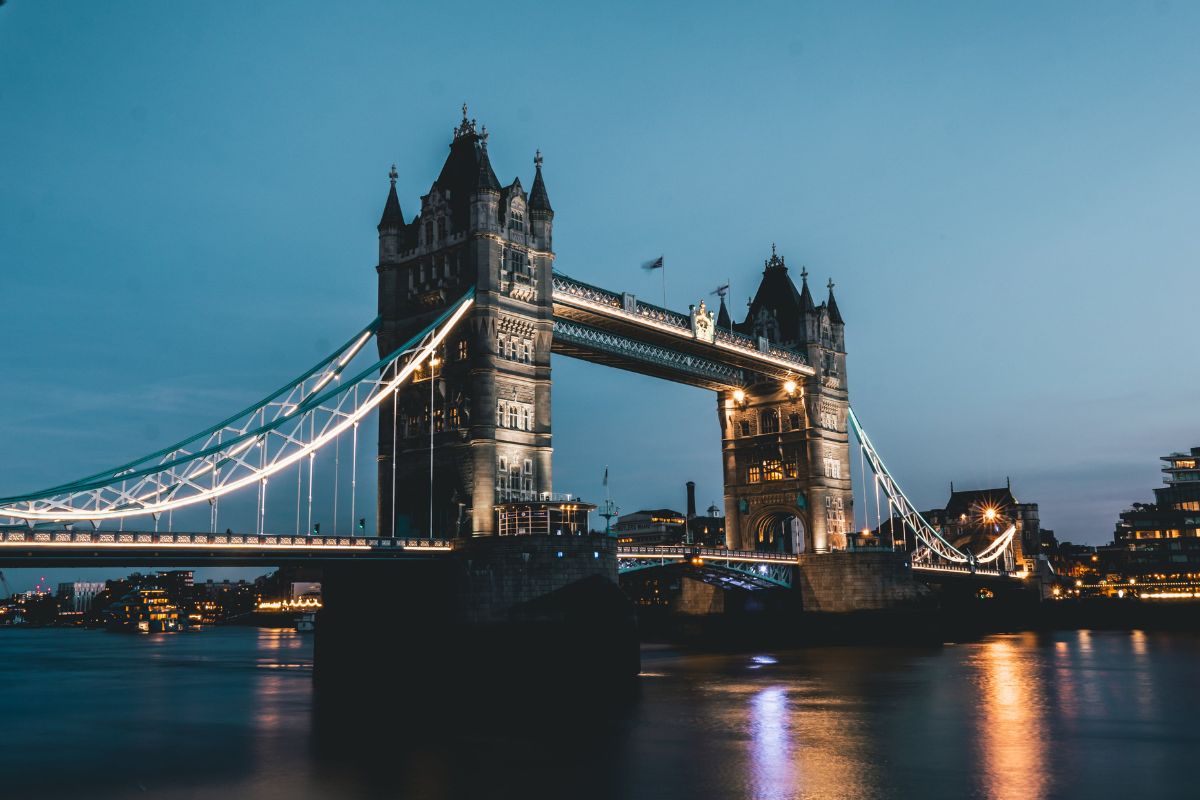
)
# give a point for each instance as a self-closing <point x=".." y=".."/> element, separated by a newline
<point x="780" y="529"/>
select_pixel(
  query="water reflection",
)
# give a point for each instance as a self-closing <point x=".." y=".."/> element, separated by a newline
<point x="774" y="767"/>
<point x="1012" y="731"/>
<point x="974" y="720"/>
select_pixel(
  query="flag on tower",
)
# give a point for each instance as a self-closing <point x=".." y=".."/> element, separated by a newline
<point x="606" y="476"/>
<point x="655" y="264"/>
<point x="721" y="291"/>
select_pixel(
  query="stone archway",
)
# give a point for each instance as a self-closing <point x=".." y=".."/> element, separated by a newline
<point x="779" y="531"/>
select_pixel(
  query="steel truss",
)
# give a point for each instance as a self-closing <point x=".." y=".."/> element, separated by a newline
<point x="586" y="337"/>
<point x="935" y="546"/>
<point x="246" y="449"/>
<point x="729" y="568"/>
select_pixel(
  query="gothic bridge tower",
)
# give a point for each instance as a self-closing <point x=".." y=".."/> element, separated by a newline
<point x="490" y="409"/>
<point x="785" y="447"/>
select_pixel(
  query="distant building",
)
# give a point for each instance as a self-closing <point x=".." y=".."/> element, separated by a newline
<point x="708" y="530"/>
<point x="1162" y="537"/>
<point x="79" y="595"/>
<point x="972" y="520"/>
<point x="651" y="526"/>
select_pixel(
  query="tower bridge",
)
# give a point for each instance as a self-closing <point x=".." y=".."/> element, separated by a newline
<point x="471" y="306"/>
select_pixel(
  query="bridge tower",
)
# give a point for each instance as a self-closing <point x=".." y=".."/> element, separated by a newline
<point x="490" y="410"/>
<point x="786" y="450"/>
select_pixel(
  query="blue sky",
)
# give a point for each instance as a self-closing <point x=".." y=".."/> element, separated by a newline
<point x="1005" y="194"/>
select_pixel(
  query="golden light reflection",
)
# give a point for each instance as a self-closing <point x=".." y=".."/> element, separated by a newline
<point x="1013" y="733"/>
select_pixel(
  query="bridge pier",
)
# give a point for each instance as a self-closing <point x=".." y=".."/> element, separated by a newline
<point x="858" y="581"/>
<point x="499" y="611"/>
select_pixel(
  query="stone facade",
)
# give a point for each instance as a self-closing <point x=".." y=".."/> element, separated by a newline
<point x="786" y="447"/>
<point x="490" y="410"/>
<point x="858" y="581"/>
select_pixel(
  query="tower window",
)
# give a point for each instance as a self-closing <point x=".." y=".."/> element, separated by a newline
<point x="745" y="426"/>
<point x="441" y="223"/>
<point x="462" y="350"/>
<point x="769" y="421"/>
<point x="794" y="420"/>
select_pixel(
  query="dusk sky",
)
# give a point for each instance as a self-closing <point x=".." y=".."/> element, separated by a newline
<point x="1005" y="194"/>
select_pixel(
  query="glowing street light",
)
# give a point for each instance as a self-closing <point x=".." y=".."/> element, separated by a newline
<point x="790" y="387"/>
<point x="739" y="396"/>
<point x="989" y="514"/>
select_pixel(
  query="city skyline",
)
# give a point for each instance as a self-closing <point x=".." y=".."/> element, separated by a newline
<point x="182" y="248"/>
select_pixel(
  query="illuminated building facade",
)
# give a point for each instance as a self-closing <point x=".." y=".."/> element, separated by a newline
<point x="650" y="526"/>
<point x="786" y="447"/>
<point x="1162" y="537"/>
<point x="79" y="595"/>
<point x="972" y="519"/>
<point x="544" y="518"/>
<point x="487" y="414"/>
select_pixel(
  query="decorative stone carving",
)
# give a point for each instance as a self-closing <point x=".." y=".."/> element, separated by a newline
<point x="703" y="326"/>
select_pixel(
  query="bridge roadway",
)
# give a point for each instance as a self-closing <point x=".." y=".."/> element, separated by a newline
<point x="138" y="548"/>
<point x="731" y="569"/>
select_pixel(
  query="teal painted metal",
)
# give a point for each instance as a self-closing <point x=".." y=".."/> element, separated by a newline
<point x="116" y="472"/>
<point x="108" y="478"/>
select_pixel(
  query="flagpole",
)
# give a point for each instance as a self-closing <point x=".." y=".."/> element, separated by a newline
<point x="664" y="272"/>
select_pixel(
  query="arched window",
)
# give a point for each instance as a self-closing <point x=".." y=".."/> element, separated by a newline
<point x="769" y="421"/>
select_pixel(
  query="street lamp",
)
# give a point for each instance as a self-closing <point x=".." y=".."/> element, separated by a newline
<point x="433" y="362"/>
<point x="789" y="386"/>
<point x="739" y="396"/>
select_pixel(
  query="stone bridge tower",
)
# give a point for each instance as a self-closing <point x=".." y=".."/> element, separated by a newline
<point x="490" y="410"/>
<point x="786" y="451"/>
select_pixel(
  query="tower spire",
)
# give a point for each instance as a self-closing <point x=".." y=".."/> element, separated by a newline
<point x="806" y="299"/>
<point x="538" y="199"/>
<point x="835" y="314"/>
<point x="393" y="217"/>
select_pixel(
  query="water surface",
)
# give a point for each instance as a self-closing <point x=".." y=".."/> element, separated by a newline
<point x="231" y="713"/>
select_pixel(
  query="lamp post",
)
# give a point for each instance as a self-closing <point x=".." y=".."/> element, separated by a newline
<point x="433" y="362"/>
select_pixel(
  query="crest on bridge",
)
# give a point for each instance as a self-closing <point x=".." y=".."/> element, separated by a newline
<point x="702" y="323"/>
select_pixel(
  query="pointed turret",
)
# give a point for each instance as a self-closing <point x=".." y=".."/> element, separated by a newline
<point x="777" y="310"/>
<point x="541" y="215"/>
<point x="538" y="199"/>
<point x="835" y="316"/>
<point x="393" y="217"/>
<point x="391" y="224"/>
<point x="806" y="299"/>
<point x="723" y="320"/>
<point x="487" y="177"/>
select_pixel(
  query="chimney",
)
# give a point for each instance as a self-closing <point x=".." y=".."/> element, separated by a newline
<point x="691" y="506"/>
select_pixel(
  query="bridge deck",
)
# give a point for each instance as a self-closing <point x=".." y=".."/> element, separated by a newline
<point x="110" y="548"/>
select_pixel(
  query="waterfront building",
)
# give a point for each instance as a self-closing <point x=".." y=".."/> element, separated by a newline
<point x="972" y="519"/>
<point x="143" y="610"/>
<point x="79" y="595"/>
<point x="651" y="526"/>
<point x="1163" y="537"/>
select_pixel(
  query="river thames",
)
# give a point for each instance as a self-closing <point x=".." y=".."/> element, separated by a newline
<point x="231" y="713"/>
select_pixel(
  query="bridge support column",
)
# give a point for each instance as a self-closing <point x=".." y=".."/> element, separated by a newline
<point x="498" y="611"/>
<point x="858" y="581"/>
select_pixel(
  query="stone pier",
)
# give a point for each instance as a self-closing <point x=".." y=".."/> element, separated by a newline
<point x="497" y="611"/>
<point x="858" y="581"/>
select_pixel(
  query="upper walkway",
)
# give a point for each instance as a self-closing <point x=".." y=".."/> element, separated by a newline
<point x="617" y="329"/>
